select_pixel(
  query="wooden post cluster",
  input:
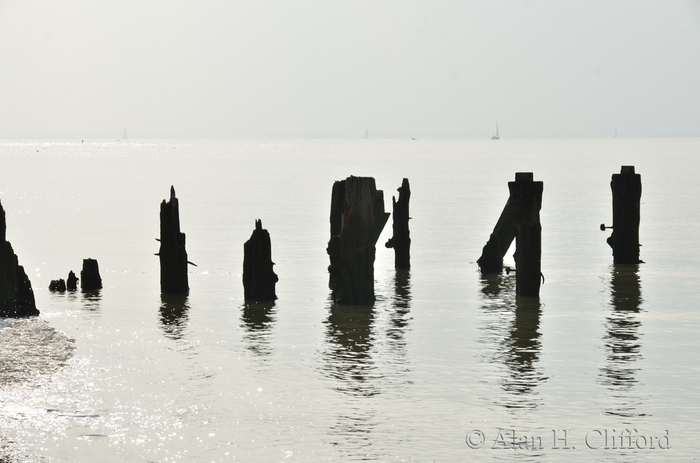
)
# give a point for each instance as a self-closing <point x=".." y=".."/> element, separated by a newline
<point x="520" y="220"/>
<point x="16" y="294"/>
<point x="401" y="241"/>
<point x="172" y="253"/>
<point x="259" y="279"/>
<point x="357" y="219"/>
<point x="627" y="192"/>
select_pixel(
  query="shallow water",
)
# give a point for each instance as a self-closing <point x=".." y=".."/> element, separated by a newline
<point x="444" y="357"/>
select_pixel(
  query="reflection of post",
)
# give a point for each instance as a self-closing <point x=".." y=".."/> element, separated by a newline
<point x="173" y="314"/>
<point x="401" y="241"/>
<point x="622" y="339"/>
<point x="257" y="319"/>
<point x="524" y="346"/>
<point x="627" y="192"/>
<point x="349" y="337"/>
<point x="357" y="219"/>
<point x="402" y="307"/>
<point x="528" y="238"/>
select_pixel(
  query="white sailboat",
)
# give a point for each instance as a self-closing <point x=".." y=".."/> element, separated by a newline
<point x="496" y="135"/>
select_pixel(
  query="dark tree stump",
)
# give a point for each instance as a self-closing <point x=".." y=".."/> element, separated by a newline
<point x="528" y="238"/>
<point x="259" y="279"/>
<point x="72" y="282"/>
<point x="627" y="192"/>
<point x="357" y="219"/>
<point x="401" y="241"/>
<point x="90" y="275"/>
<point x="172" y="253"/>
<point x="58" y="285"/>
<point x="16" y="294"/>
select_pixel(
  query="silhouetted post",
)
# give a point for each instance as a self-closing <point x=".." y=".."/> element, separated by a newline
<point x="627" y="192"/>
<point x="528" y="238"/>
<point x="72" y="282"/>
<point x="90" y="275"/>
<point x="491" y="260"/>
<point x="259" y="279"/>
<point x="357" y="219"/>
<point x="172" y="253"/>
<point x="58" y="285"/>
<point x="401" y="241"/>
<point x="16" y="295"/>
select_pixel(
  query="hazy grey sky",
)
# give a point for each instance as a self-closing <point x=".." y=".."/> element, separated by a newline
<point x="209" y="68"/>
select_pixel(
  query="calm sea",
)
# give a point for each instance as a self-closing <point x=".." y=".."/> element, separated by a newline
<point x="446" y="366"/>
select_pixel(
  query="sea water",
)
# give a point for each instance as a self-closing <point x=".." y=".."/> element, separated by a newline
<point x="448" y="365"/>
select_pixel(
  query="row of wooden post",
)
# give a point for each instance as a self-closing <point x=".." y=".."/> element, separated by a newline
<point x="356" y="221"/>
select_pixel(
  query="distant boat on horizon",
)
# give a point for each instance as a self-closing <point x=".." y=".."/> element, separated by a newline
<point x="496" y="136"/>
<point x="124" y="137"/>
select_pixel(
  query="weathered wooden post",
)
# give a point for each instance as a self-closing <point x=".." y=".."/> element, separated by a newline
<point x="16" y="294"/>
<point x="72" y="282"/>
<point x="58" y="285"/>
<point x="259" y="279"/>
<point x="627" y="192"/>
<point x="520" y="220"/>
<point x="528" y="237"/>
<point x="491" y="260"/>
<point x="357" y="219"/>
<point x="172" y="253"/>
<point x="90" y="275"/>
<point x="401" y="241"/>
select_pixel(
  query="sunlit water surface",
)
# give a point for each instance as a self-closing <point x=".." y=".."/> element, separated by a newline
<point x="448" y="365"/>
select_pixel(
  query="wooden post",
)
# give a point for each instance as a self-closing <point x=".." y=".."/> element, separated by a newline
<point x="528" y="238"/>
<point x="357" y="219"/>
<point x="172" y="253"/>
<point x="627" y="192"/>
<point x="90" y="275"/>
<point x="491" y="260"/>
<point x="401" y="241"/>
<point x="72" y="282"/>
<point x="259" y="279"/>
<point x="16" y="294"/>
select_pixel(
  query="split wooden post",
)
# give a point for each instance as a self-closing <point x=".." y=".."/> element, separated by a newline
<point x="357" y="219"/>
<point x="172" y="253"/>
<point x="528" y="238"/>
<point x="90" y="275"/>
<point x="491" y="260"/>
<point x="401" y="241"/>
<point x="627" y="192"/>
<point x="259" y="278"/>
<point x="16" y="294"/>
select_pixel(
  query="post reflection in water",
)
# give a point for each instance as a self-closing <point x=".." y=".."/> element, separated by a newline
<point x="400" y="315"/>
<point x="173" y="315"/>
<point x="511" y="337"/>
<point x="622" y="339"/>
<point x="91" y="300"/>
<point x="257" y="319"/>
<point x="365" y="359"/>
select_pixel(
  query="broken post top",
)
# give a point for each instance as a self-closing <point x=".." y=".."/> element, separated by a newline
<point x="524" y="177"/>
<point x="3" y="224"/>
<point x="627" y="170"/>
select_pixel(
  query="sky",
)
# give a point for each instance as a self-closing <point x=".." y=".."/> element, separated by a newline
<point x="336" y="69"/>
